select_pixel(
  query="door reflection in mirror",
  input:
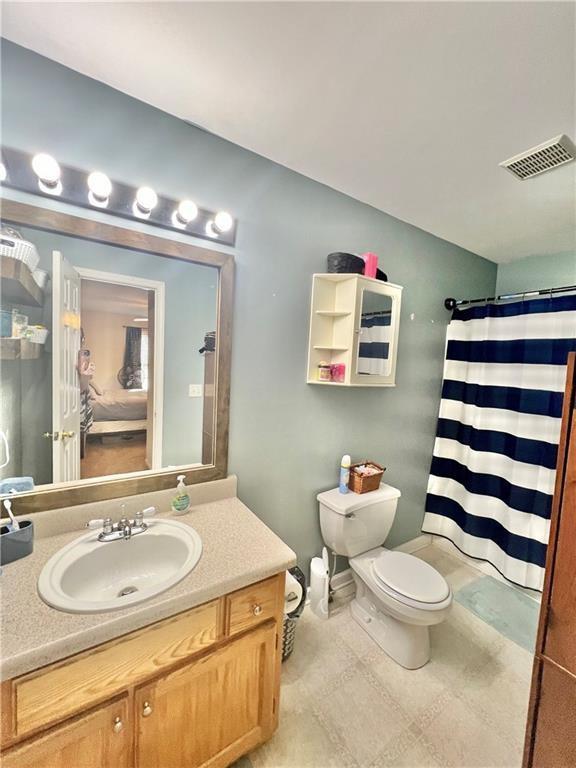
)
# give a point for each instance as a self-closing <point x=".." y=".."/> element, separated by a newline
<point x="114" y="380"/>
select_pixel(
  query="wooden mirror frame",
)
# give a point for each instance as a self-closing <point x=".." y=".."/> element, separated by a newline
<point x="22" y="214"/>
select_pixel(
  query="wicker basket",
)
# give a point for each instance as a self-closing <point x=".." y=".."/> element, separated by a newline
<point x="288" y="637"/>
<point x="365" y="483"/>
<point x="13" y="246"/>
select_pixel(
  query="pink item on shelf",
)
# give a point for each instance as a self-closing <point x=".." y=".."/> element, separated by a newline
<point x="370" y="264"/>
<point x="337" y="372"/>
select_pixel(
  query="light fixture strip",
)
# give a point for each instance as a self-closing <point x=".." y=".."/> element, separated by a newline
<point x="94" y="190"/>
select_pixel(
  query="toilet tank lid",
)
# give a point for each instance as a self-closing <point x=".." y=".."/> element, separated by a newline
<point x="343" y="503"/>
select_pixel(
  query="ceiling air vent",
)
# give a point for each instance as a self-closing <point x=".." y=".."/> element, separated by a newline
<point x="542" y="158"/>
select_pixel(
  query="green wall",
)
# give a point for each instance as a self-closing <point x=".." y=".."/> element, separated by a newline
<point x="286" y="437"/>
<point x="535" y="272"/>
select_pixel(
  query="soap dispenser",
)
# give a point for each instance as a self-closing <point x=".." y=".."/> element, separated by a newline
<point x="181" y="501"/>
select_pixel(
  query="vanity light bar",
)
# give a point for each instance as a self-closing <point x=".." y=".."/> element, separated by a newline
<point x="41" y="174"/>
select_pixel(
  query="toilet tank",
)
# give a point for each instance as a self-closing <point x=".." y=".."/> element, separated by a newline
<point x="353" y="523"/>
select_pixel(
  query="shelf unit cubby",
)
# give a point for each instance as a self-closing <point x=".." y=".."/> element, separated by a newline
<point x="335" y="326"/>
<point x="19" y="349"/>
<point x="17" y="286"/>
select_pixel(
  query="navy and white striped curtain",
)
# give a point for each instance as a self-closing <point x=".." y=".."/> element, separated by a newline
<point x="374" y="349"/>
<point x="493" y="468"/>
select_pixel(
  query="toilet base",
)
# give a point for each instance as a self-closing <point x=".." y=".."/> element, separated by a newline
<point x="407" y="644"/>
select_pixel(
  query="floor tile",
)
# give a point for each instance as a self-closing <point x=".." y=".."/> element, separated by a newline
<point x="442" y="561"/>
<point x="499" y="697"/>
<point x="301" y="742"/>
<point x="518" y="660"/>
<point x="413" y="689"/>
<point x="361" y="714"/>
<point x="466" y="741"/>
<point x="320" y="656"/>
<point x="419" y="753"/>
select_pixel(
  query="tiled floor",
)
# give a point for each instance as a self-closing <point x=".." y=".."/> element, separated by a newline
<point x="345" y="703"/>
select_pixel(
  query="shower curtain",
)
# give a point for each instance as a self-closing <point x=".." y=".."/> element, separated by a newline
<point x="493" y="467"/>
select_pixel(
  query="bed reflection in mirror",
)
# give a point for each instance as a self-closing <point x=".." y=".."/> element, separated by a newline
<point x="107" y="362"/>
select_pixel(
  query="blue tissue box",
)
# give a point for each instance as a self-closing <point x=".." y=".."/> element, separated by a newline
<point x="16" y="544"/>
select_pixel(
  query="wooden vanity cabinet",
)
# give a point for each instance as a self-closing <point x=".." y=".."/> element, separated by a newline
<point x="211" y="710"/>
<point x="99" y="738"/>
<point x="197" y="690"/>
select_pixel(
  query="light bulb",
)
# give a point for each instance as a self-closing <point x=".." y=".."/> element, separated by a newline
<point x="209" y="229"/>
<point x="48" y="172"/>
<point x="146" y="201"/>
<point x="100" y="188"/>
<point x="186" y="212"/>
<point x="223" y="221"/>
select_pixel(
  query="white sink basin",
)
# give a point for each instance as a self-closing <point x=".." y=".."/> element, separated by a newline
<point x="90" y="576"/>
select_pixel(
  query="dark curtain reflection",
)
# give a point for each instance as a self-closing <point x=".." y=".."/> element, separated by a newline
<point x="130" y="375"/>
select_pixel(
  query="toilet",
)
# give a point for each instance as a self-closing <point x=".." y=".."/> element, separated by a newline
<point x="398" y="597"/>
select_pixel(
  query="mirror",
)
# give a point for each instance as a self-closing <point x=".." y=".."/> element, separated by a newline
<point x="375" y="349"/>
<point x="109" y="360"/>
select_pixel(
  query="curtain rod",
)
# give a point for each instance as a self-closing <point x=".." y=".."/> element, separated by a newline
<point x="453" y="303"/>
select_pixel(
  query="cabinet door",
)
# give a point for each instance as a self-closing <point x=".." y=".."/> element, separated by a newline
<point x="376" y="334"/>
<point x="555" y="736"/>
<point x="212" y="710"/>
<point x="100" y="739"/>
<point x="560" y="642"/>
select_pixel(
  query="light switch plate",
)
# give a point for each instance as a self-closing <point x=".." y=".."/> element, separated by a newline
<point x="195" y="390"/>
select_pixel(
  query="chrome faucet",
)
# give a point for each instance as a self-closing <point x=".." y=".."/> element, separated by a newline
<point x="124" y="528"/>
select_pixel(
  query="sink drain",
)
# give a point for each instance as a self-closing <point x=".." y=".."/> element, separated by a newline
<point x="127" y="591"/>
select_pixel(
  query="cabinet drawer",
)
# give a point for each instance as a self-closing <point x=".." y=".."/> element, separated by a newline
<point x="253" y="604"/>
<point x="81" y="681"/>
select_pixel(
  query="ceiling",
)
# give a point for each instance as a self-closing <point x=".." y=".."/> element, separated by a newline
<point x="114" y="298"/>
<point x="406" y="106"/>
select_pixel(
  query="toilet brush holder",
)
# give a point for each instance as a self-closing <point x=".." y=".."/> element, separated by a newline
<point x="15" y="545"/>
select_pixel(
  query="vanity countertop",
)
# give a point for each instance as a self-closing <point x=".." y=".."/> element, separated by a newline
<point x="238" y="549"/>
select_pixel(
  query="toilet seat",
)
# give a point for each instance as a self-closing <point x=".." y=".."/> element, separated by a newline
<point x="410" y="580"/>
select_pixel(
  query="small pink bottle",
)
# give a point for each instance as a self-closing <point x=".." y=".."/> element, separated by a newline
<point x="370" y="264"/>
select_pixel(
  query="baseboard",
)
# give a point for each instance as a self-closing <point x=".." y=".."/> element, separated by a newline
<point x="342" y="583"/>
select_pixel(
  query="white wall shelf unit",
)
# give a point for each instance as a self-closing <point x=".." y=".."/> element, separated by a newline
<point x="354" y="321"/>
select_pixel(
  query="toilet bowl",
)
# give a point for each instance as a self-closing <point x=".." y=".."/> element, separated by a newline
<point x="398" y="596"/>
<point x="397" y="608"/>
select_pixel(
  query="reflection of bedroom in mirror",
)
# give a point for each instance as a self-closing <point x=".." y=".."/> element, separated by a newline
<point x="108" y="361"/>
<point x="116" y="360"/>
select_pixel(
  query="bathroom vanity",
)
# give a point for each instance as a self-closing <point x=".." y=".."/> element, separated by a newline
<point x="186" y="675"/>
<point x="198" y="689"/>
<point x="195" y="684"/>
